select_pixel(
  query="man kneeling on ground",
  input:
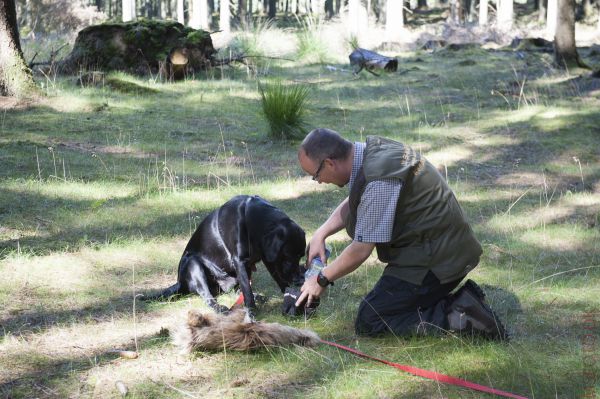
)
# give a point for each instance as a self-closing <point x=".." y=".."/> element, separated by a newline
<point x="400" y="204"/>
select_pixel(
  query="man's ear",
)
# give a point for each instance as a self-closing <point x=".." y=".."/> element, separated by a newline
<point x="271" y="244"/>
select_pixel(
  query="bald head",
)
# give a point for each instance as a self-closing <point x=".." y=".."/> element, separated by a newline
<point x="324" y="143"/>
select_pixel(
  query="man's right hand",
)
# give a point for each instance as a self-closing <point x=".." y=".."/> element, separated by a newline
<point x="316" y="247"/>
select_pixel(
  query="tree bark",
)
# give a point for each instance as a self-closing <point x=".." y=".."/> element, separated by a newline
<point x="329" y="9"/>
<point x="224" y="16"/>
<point x="242" y="15"/>
<point x="180" y="12"/>
<point x="353" y="16"/>
<point x="394" y="20"/>
<point x="16" y="79"/>
<point x="565" y="49"/>
<point x="505" y="14"/>
<point x="272" y="8"/>
<point x="483" y="12"/>
<point x="542" y="5"/>
<point x="128" y="10"/>
<point x="551" y="18"/>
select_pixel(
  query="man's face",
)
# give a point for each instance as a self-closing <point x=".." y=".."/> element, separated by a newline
<point x="325" y="171"/>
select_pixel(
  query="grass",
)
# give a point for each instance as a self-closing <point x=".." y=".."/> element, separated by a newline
<point x="285" y="107"/>
<point x="101" y="188"/>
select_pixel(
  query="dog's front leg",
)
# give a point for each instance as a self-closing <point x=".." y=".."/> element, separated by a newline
<point x="244" y="281"/>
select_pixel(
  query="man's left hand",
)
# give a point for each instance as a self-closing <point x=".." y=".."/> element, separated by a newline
<point x="311" y="290"/>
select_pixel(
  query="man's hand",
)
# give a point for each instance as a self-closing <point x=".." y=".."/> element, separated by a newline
<point x="316" y="247"/>
<point x="311" y="290"/>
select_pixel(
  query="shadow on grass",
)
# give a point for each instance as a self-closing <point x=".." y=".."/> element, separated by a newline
<point x="50" y="376"/>
<point x="22" y="322"/>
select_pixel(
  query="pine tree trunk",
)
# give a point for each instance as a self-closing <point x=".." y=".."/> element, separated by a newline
<point x="394" y="20"/>
<point x="224" y="16"/>
<point x="353" y="16"/>
<point x="542" y="10"/>
<point x="587" y="9"/>
<point x="483" y="12"/>
<point x="128" y="10"/>
<point x="272" y="8"/>
<point x="242" y="12"/>
<point x="329" y="9"/>
<point x="565" y="49"/>
<point x="551" y="18"/>
<point x="180" y="12"/>
<point x="505" y="14"/>
<point x="16" y="79"/>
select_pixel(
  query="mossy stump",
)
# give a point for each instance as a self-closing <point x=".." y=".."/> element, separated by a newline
<point x="140" y="47"/>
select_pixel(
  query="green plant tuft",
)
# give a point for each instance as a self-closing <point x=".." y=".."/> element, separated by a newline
<point x="284" y="107"/>
<point x="311" y="46"/>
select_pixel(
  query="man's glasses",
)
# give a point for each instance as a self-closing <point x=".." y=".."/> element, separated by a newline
<point x="316" y="175"/>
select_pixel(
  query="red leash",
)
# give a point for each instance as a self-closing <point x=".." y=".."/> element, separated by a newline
<point x="432" y="375"/>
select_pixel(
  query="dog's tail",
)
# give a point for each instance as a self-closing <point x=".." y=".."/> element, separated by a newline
<point x="165" y="294"/>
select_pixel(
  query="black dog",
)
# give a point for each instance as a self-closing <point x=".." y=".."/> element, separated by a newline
<point x="225" y="247"/>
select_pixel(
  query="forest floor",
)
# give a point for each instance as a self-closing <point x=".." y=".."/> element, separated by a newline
<point x="102" y="185"/>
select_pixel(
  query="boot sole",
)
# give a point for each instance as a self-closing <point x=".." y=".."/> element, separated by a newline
<point x="500" y="332"/>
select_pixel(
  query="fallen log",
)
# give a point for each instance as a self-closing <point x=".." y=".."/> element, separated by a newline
<point x="369" y="60"/>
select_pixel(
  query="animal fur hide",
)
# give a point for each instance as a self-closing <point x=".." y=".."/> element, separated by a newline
<point x="237" y="332"/>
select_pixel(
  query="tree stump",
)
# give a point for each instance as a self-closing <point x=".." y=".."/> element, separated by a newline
<point x="140" y="47"/>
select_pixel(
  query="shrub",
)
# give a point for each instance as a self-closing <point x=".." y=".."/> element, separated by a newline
<point x="284" y="107"/>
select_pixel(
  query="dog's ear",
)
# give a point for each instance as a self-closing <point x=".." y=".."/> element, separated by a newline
<point x="272" y="243"/>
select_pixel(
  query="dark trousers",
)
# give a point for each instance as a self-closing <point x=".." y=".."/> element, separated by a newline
<point x="404" y="308"/>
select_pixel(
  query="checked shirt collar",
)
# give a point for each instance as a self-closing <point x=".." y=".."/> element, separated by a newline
<point x="359" y="149"/>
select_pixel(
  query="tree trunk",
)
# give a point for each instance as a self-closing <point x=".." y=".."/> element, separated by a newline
<point x="16" y="79"/>
<point x="128" y="10"/>
<point x="204" y="15"/>
<point x="242" y="12"/>
<point x="565" y="49"/>
<point x="587" y="9"/>
<point x="329" y="9"/>
<point x="180" y="12"/>
<point x="224" y="16"/>
<point x="353" y="16"/>
<point x="598" y="7"/>
<point x="272" y="8"/>
<point x="505" y="14"/>
<point x="542" y="10"/>
<point x="455" y="11"/>
<point x="483" y="12"/>
<point x="551" y="18"/>
<point x="394" y="20"/>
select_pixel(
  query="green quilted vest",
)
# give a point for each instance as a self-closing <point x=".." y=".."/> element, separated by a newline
<point x="430" y="231"/>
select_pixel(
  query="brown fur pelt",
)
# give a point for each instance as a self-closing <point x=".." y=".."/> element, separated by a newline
<point x="209" y="331"/>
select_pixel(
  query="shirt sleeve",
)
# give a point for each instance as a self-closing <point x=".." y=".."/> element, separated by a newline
<point x="376" y="211"/>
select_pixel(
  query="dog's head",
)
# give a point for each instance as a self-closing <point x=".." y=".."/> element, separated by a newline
<point x="283" y="247"/>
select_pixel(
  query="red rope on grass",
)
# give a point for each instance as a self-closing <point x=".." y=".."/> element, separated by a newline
<point x="432" y="375"/>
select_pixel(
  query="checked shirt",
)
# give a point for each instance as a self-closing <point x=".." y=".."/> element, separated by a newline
<point x="377" y="208"/>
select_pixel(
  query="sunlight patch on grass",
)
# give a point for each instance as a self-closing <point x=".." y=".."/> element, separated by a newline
<point x="561" y="238"/>
<point x="59" y="272"/>
<point x="73" y="190"/>
<point x="450" y="156"/>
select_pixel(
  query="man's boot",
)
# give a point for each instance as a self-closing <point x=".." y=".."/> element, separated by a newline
<point x="469" y="313"/>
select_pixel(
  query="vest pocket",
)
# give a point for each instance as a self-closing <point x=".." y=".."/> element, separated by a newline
<point x="414" y="255"/>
